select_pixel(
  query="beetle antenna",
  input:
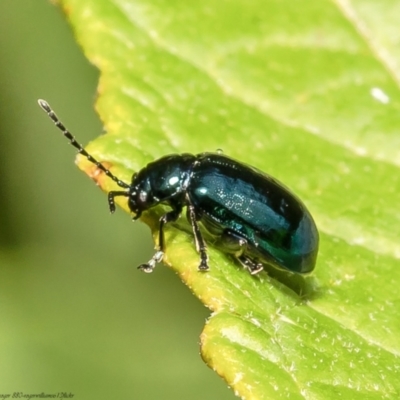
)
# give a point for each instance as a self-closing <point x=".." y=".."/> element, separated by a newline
<point x="52" y="115"/>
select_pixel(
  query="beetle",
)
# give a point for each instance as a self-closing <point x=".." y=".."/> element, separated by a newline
<point x="250" y="214"/>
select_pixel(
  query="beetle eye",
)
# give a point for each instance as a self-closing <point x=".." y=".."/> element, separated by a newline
<point x="143" y="196"/>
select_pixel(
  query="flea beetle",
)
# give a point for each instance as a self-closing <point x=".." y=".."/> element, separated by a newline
<point x="248" y="213"/>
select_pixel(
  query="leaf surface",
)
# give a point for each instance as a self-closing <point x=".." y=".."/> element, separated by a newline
<point x="308" y="92"/>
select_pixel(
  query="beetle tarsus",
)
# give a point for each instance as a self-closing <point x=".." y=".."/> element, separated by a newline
<point x="255" y="269"/>
<point x="252" y="266"/>
<point x="149" y="267"/>
<point x="203" y="267"/>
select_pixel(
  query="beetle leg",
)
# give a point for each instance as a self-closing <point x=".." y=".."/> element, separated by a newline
<point x="159" y="255"/>
<point x="198" y="238"/>
<point x="231" y="242"/>
<point x="253" y="266"/>
<point x="111" y="201"/>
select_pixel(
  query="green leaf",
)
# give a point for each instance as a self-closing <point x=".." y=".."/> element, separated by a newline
<point x="308" y="92"/>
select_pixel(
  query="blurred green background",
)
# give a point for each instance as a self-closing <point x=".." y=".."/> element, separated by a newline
<point x="75" y="314"/>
